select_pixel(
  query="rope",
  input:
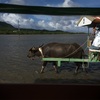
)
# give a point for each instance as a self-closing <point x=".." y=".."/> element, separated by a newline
<point x="77" y="49"/>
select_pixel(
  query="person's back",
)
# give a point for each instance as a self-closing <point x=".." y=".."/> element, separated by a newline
<point x="96" y="42"/>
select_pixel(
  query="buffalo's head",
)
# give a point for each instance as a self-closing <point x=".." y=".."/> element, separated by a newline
<point x="33" y="52"/>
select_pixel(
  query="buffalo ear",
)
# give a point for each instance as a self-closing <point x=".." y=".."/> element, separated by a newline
<point x="33" y="48"/>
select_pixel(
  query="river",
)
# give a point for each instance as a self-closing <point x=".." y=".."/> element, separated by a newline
<point x="15" y="67"/>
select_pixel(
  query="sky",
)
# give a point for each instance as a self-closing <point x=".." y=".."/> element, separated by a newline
<point x="64" y="23"/>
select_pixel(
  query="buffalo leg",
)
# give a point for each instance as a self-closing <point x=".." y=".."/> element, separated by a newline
<point x="43" y="66"/>
<point x="85" y="66"/>
<point x="77" y="68"/>
<point x="55" y="66"/>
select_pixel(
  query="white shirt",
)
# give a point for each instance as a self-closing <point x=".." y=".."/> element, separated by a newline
<point x="96" y="41"/>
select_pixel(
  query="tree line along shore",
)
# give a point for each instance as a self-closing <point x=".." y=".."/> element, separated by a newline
<point x="31" y="31"/>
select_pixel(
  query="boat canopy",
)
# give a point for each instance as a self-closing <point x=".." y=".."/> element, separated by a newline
<point x="90" y="21"/>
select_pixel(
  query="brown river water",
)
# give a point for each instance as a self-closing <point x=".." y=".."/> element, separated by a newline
<point x="15" y="67"/>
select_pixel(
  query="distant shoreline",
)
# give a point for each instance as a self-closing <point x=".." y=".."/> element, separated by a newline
<point x="36" y="32"/>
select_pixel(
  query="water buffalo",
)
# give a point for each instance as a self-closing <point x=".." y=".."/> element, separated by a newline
<point x="57" y="50"/>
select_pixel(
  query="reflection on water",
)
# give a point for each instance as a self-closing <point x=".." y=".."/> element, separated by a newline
<point x="15" y="67"/>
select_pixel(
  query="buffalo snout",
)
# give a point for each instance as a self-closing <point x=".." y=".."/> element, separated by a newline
<point x="30" y="54"/>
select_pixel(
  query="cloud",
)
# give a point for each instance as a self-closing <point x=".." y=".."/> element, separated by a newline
<point x="66" y="3"/>
<point x="20" y="2"/>
<point x="65" y="23"/>
<point x="69" y="3"/>
<point x="15" y="19"/>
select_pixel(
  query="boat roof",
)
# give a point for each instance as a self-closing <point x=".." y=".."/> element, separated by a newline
<point x="89" y="21"/>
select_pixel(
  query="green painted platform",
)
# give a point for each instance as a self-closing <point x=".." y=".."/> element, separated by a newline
<point x="59" y="60"/>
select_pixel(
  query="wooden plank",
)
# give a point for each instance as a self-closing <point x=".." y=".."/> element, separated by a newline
<point x="44" y="10"/>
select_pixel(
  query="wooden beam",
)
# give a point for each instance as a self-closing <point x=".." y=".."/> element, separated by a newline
<point x="44" y="10"/>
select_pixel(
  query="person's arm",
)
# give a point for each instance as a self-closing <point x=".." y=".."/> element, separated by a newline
<point x="94" y="31"/>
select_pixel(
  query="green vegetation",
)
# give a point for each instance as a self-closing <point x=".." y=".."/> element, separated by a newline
<point x="9" y="29"/>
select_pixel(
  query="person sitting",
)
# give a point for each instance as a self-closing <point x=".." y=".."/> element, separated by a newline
<point x="96" y="42"/>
